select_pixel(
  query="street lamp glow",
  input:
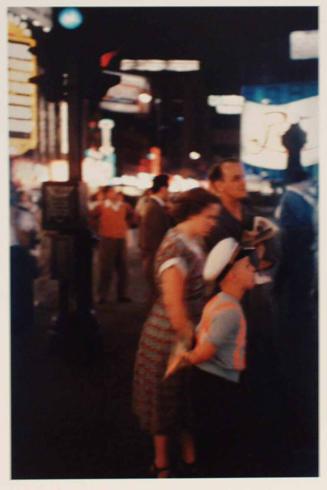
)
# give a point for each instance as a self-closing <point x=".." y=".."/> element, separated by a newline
<point x="70" y="18"/>
<point x="145" y="98"/>
<point x="194" y="155"/>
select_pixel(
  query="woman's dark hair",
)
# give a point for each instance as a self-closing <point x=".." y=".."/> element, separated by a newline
<point x="192" y="202"/>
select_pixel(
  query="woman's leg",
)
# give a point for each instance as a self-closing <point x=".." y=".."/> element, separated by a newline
<point x="161" y="455"/>
<point x="187" y="447"/>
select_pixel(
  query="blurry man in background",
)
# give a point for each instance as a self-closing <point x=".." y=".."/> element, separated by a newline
<point x="153" y="227"/>
<point x="114" y="217"/>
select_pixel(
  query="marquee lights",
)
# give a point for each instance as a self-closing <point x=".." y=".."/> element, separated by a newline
<point x="21" y="93"/>
<point x="19" y="76"/>
<point x="38" y="17"/>
<point x="20" y="100"/>
<point x="160" y="65"/>
<point x="17" y="112"/>
<point x="21" y="88"/>
<point x="20" y="51"/>
<point x="20" y="126"/>
<point x="21" y="65"/>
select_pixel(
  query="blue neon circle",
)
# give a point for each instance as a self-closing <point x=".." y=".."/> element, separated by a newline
<point x="70" y="18"/>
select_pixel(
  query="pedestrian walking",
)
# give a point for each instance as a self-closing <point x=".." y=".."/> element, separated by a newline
<point x="164" y="407"/>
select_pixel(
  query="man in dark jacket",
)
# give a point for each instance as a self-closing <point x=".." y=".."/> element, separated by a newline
<point x="153" y="227"/>
<point x="236" y="220"/>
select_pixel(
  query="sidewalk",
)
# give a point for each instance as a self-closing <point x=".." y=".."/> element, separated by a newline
<point x="72" y="419"/>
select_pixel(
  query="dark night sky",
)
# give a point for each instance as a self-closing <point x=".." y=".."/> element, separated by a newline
<point x="236" y="45"/>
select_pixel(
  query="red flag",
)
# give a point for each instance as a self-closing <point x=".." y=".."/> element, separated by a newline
<point x="105" y="58"/>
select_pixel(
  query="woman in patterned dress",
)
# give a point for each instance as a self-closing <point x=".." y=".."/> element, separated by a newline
<point x="163" y="406"/>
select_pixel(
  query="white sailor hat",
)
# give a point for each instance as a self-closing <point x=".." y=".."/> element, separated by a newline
<point x="222" y="257"/>
<point x="219" y="257"/>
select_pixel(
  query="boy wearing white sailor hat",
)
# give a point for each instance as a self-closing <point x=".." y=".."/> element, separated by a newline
<point x="221" y="332"/>
<point x="218" y="358"/>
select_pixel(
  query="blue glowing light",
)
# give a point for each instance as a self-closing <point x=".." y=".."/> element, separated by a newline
<point x="70" y="18"/>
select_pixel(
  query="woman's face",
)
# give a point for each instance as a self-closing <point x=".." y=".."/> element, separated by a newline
<point x="206" y="220"/>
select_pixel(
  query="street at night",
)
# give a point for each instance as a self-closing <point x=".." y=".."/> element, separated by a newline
<point x="163" y="191"/>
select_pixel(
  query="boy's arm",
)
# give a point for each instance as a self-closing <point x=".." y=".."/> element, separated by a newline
<point x="202" y="352"/>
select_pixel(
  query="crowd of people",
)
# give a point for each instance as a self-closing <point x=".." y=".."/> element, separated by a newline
<point x="225" y="288"/>
<point x="225" y="295"/>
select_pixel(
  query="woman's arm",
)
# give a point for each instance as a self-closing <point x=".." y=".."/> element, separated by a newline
<point x="173" y="287"/>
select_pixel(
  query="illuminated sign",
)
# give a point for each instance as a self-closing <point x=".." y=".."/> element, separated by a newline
<point x="304" y="45"/>
<point x="268" y="114"/>
<point x="125" y="97"/>
<point x="22" y="94"/>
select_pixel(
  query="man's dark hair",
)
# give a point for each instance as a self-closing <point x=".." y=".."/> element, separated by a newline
<point x="160" y="181"/>
<point x="216" y="172"/>
<point x="192" y="202"/>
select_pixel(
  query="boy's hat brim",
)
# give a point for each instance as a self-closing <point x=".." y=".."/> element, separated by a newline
<point x="222" y="254"/>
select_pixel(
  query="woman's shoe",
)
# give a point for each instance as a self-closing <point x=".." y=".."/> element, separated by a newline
<point x="163" y="472"/>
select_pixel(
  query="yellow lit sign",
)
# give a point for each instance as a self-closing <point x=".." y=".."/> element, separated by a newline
<point x="22" y="94"/>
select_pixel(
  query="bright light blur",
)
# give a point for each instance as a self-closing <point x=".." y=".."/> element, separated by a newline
<point x="160" y="65"/>
<point x="255" y="183"/>
<point x="194" y="155"/>
<point x="150" y="65"/>
<point x="19" y="76"/>
<point x="145" y="180"/>
<point x="229" y="109"/>
<point x="20" y="100"/>
<point x="179" y="184"/>
<point x="126" y="65"/>
<point x="145" y="98"/>
<point x="183" y="65"/>
<point x="19" y="51"/>
<point x="70" y="18"/>
<point x="64" y="139"/>
<point x="19" y="126"/>
<point x="29" y="175"/>
<point x="226" y="104"/>
<point x="20" y="65"/>
<point x="304" y="45"/>
<point x="21" y="88"/>
<point x="18" y="112"/>
<point x="135" y="185"/>
<point x="96" y="172"/>
<point x="59" y="170"/>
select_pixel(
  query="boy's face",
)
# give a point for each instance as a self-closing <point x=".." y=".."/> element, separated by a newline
<point x="244" y="272"/>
